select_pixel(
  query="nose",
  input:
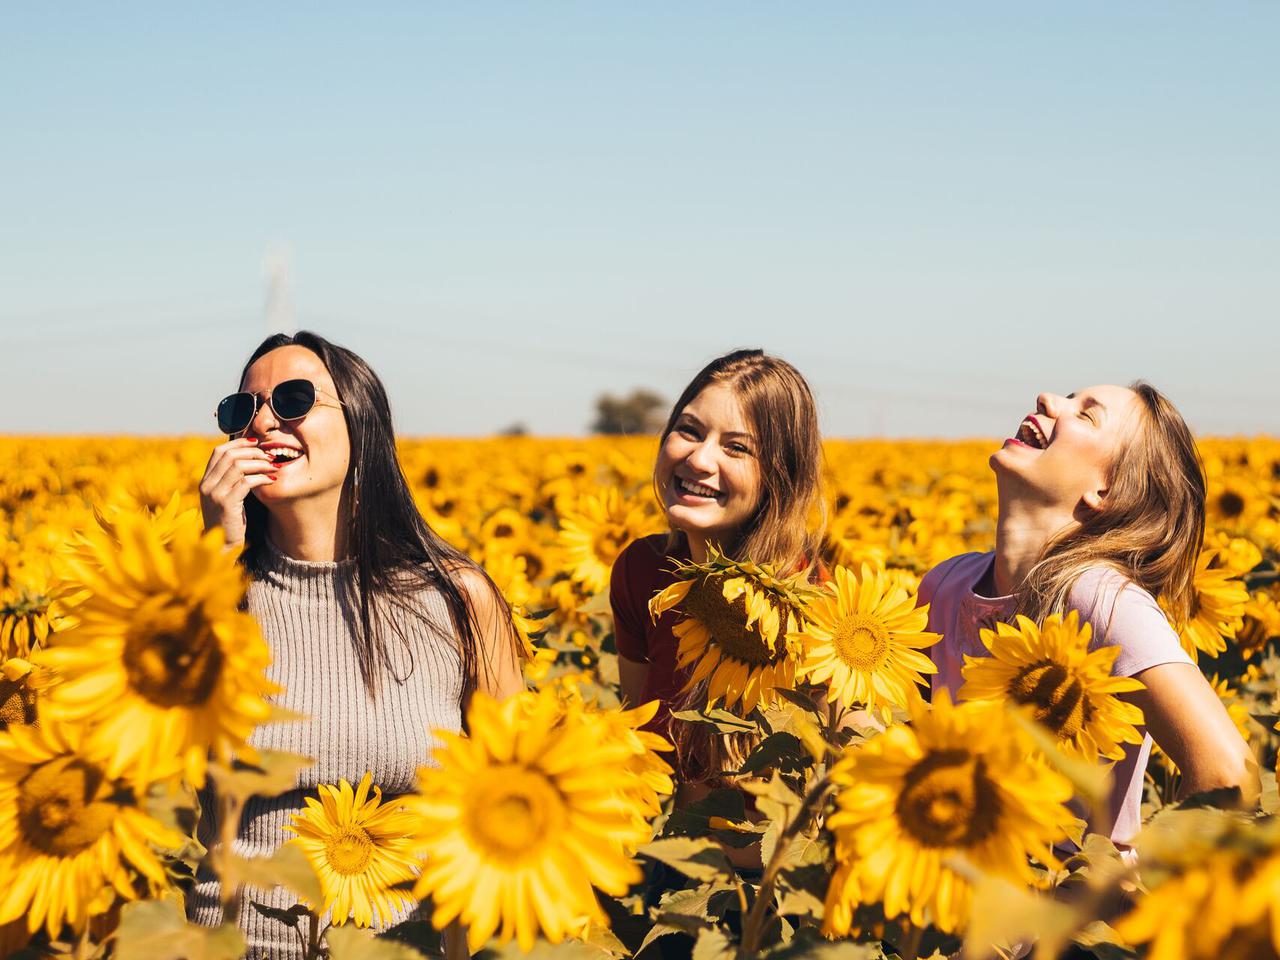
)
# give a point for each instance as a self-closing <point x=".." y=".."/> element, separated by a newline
<point x="700" y="458"/>
<point x="264" y="420"/>
<point x="1049" y="404"/>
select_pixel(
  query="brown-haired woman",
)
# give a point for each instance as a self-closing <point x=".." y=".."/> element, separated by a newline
<point x="1102" y="511"/>
<point x="739" y="467"/>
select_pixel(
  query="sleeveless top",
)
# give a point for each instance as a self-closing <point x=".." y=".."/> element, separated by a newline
<point x="1119" y="612"/>
<point x="299" y="607"/>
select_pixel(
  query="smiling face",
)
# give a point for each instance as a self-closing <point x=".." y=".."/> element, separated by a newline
<point x="1062" y="455"/>
<point x="312" y="453"/>
<point x="707" y="471"/>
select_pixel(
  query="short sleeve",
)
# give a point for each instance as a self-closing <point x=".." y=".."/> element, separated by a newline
<point x="1123" y="614"/>
<point x="630" y="617"/>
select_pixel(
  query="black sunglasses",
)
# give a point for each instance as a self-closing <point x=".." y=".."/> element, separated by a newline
<point x="290" y="400"/>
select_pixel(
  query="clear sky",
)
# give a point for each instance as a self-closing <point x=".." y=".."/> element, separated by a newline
<point x="933" y="210"/>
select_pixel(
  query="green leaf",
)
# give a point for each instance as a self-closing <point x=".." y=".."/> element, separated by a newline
<point x="157" y="930"/>
<point x="778" y="750"/>
<point x="567" y="950"/>
<point x="712" y="944"/>
<point x="802" y="890"/>
<point x="695" y="903"/>
<point x="801" y="700"/>
<point x="779" y="803"/>
<point x="290" y="918"/>
<point x="672" y="923"/>
<point x="692" y="819"/>
<point x="722" y="720"/>
<point x="275" y="773"/>
<point x="349" y="942"/>
<point x="287" y="867"/>
<point x="808" y="944"/>
<point x="695" y="857"/>
<point x="1269" y="801"/>
<point x="1004" y="913"/>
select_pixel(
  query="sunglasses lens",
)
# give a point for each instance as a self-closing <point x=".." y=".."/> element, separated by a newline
<point x="235" y="412"/>
<point x="293" y="399"/>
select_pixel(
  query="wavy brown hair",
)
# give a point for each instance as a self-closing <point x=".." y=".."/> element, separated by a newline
<point x="1150" y="526"/>
<point x="779" y="408"/>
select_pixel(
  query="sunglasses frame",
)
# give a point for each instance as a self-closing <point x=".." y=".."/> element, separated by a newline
<point x="259" y="401"/>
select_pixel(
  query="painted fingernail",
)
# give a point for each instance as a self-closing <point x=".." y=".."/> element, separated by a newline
<point x="252" y="439"/>
<point x="273" y="475"/>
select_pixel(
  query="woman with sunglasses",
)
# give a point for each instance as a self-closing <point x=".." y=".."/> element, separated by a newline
<point x="379" y="629"/>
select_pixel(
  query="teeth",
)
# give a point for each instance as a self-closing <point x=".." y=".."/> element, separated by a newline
<point x="697" y="489"/>
<point x="283" y="453"/>
<point x="1030" y="433"/>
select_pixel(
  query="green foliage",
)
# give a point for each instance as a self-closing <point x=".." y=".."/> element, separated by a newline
<point x="157" y="930"/>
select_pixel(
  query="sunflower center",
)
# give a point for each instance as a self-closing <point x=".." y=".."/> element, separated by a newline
<point x="17" y="704"/>
<point x="726" y="621"/>
<point x="348" y="850"/>
<point x="1056" y="696"/>
<point x="172" y="656"/>
<point x="608" y="541"/>
<point x="1231" y="504"/>
<point x="62" y="807"/>
<point x="948" y="800"/>
<point x="513" y="811"/>
<point x="861" y="641"/>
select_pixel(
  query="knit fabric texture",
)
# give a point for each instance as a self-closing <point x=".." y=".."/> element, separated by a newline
<point x="309" y="628"/>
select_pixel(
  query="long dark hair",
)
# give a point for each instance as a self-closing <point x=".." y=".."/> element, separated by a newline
<point x="395" y="552"/>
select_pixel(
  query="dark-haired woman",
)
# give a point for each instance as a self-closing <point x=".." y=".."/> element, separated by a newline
<point x="379" y="630"/>
<point x="1101" y="510"/>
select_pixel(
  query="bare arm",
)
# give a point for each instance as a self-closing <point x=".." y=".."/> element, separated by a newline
<point x="498" y="661"/>
<point x="631" y="677"/>
<point x="1189" y="722"/>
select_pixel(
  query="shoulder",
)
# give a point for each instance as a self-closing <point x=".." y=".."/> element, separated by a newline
<point x="1122" y="613"/>
<point x="645" y="558"/>
<point x="956" y="573"/>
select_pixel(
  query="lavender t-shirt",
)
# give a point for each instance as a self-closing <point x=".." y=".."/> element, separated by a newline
<point x="1120" y="613"/>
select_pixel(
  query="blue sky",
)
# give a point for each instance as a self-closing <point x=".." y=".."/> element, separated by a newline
<point x="933" y="210"/>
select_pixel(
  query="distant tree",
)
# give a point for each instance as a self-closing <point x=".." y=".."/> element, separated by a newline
<point x="640" y="411"/>
<point x="517" y="429"/>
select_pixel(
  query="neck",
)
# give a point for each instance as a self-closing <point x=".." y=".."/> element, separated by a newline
<point x="1022" y="533"/>
<point x="308" y="530"/>
<point x="697" y="547"/>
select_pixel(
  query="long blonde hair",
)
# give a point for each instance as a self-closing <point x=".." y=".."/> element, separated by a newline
<point x="1149" y="528"/>
<point x="779" y="407"/>
<point x="780" y="410"/>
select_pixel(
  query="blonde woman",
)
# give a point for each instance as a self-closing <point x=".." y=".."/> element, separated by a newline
<point x="1102" y="511"/>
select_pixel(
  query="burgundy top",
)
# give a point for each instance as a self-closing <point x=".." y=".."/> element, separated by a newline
<point x="641" y="570"/>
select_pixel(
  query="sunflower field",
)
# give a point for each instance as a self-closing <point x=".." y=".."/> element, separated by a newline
<point x="857" y="820"/>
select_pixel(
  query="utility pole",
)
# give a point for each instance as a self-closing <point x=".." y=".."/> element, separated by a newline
<point x="277" y="269"/>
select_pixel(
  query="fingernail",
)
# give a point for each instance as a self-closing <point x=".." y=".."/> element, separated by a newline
<point x="273" y="475"/>
<point x="252" y="439"/>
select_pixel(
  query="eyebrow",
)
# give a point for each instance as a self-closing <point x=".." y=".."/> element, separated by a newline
<point x="1090" y="402"/>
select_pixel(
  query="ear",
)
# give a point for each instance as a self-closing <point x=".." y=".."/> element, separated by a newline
<point x="1093" y="500"/>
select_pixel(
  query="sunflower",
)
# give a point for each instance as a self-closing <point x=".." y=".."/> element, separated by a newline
<point x="738" y="628"/>
<point x="1068" y="688"/>
<point x="863" y="639"/>
<point x="1210" y="894"/>
<point x="522" y="819"/>
<point x="593" y="532"/>
<point x="359" y="849"/>
<point x="507" y="571"/>
<point x="72" y="838"/>
<point x="32" y="608"/>
<point x="163" y="664"/>
<point x="956" y="782"/>
<point x="1217" y="611"/>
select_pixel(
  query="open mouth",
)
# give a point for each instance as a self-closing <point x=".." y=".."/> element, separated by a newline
<point x="1030" y="434"/>
<point x="283" y="455"/>
<point x="692" y="488"/>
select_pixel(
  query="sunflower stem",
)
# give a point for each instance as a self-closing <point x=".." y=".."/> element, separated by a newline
<point x="753" y="924"/>
<point x="313" y="939"/>
<point x="911" y="942"/>
<point x="228" y="826"/>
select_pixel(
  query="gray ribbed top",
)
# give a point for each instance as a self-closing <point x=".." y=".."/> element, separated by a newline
<point x="298" y="606"/>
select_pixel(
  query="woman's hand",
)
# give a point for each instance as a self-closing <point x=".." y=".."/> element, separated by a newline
<point x="235" y="468"/>
<point x="1189" y="722"/>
